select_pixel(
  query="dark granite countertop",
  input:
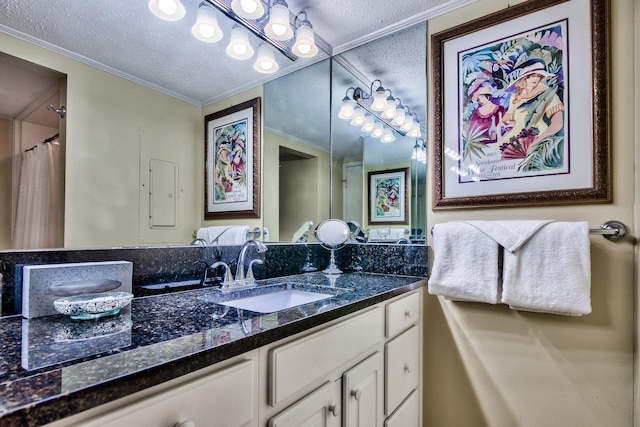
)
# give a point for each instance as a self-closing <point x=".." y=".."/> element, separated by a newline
<point x="52" y="367"/>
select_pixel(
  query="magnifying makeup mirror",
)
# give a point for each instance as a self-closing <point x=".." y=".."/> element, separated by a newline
<point x="332" y="233"/>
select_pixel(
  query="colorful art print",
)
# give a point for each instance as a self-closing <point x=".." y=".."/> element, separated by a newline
<point x="388" y="197"/>
<point x="232" y="153"/>
<point x="521" y="113"/>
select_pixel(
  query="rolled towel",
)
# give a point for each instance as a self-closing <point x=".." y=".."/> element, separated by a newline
<point x="465" y="266"/>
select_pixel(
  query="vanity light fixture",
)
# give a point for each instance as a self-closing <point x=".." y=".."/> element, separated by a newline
<point x="250" y="9"/>
<point x="265" y="62"/>
<point x="305" y="45"/>
<point x="169" y="10"/>
<point x="239" y="46"/>
<point x="269" y="20"/>
<point x="278" y="26"/>
<point x="206" y="28"/>
<point x="379" y="107"/>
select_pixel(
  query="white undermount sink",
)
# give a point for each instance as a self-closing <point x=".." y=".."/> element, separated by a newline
<point x="276" y="301"/>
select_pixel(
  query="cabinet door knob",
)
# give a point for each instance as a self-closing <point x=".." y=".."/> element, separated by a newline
<point x="356" y="393"/>
<point x="335" y="410"/>
<point x="187" y="423"/>
<point x="407" y="314"/>
<point x="407" y="368"/>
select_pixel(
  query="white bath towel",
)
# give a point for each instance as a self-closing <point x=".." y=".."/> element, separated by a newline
<point x="223" y="234"/>
<point x="465" y="264"/>
<point x="551" y="272"/>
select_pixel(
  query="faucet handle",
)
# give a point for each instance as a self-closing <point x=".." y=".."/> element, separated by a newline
<point x="250" y="277"/>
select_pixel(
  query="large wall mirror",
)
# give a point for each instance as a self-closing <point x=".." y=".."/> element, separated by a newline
<point x="316" y="164"/>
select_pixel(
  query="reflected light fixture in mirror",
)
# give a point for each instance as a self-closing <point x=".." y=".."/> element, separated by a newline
<point x="169" y="10"/>
<point x="384" y="107"/>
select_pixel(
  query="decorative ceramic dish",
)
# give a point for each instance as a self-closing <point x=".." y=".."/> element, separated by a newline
<point x="93" y="306"/>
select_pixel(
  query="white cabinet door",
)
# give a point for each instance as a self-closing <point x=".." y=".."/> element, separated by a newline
<point x="363" y="390"/>
<point x="319" y="409"/>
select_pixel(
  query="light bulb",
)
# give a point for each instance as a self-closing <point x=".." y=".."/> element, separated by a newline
<point x="251" y="9"/>
<point x="239" y="47"/>
<point x="387" y="136"/>
<point x="347" y="109"/>
<point x="398" y="118"/>
<point x="358" y="117"/>
<point x="379" y="100"/>
<point x="378" y="130"/>
<point x="305" y="45"/>
<point x="265" y="62"/>
<point x="367" y="126"/>
<point x="389" y="109"/>
<point x="206" y="28"/>
<point x="278" y="27"/>
<point x="169" y="10"/>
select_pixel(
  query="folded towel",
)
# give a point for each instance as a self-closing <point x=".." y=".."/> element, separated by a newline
<point x="465" y="265"/>
<point x="551" y="272"/>
<point x="224" y="234"/>
<point x="511" y="234"/>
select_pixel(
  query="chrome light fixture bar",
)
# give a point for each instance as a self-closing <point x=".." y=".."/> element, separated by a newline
<point x="252" y="26"/>
<point x="377" y="108"/>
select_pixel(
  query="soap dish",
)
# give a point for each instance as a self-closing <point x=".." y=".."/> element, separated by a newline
<point x="93" y="306"/>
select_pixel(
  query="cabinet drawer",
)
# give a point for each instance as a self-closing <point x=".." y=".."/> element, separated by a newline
<point x="226" y="396"/>
<point x="300" y="363"/>
<point x="402" y="313"/>
<point x="402" y="367"/>
<point x="407" y="415"/>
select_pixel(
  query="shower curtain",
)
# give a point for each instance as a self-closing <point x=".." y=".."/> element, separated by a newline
<point x="37" y="212"/>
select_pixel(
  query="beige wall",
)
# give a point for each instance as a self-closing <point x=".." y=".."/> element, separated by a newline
<point x="490" y="366"/>
<point x="271" y="187"/>
<point x="104" y="183"/>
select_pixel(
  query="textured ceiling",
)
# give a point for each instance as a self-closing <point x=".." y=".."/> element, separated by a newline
<point x="124" y="37"/>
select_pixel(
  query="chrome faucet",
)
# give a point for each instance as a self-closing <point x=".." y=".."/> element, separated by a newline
<point x="240" y="274"/>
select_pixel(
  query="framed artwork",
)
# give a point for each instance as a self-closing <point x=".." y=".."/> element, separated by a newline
<point x="388" y="197"/>
<point x="232" y="156"/>
<point x="521" y="107"/>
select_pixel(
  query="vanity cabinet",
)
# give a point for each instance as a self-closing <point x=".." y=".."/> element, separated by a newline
<point x="374" y="355"/>
<point x="361" y="370"/>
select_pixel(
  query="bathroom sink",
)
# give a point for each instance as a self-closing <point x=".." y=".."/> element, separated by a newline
<point x="276" y="301"/>
<point x="269" y="299"/>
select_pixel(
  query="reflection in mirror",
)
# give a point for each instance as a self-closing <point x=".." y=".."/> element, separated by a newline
<point x="398" y="62"/>
<point x="297" y="145"/>
<point x="302" y="234"/>
<point x="31" y="208"/>
<point x="332" y="233"/>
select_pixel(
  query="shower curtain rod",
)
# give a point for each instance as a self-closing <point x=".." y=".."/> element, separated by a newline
<point x="51" y="138"/>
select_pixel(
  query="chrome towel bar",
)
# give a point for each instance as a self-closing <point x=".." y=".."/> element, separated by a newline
<point x="610" y="230"/>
